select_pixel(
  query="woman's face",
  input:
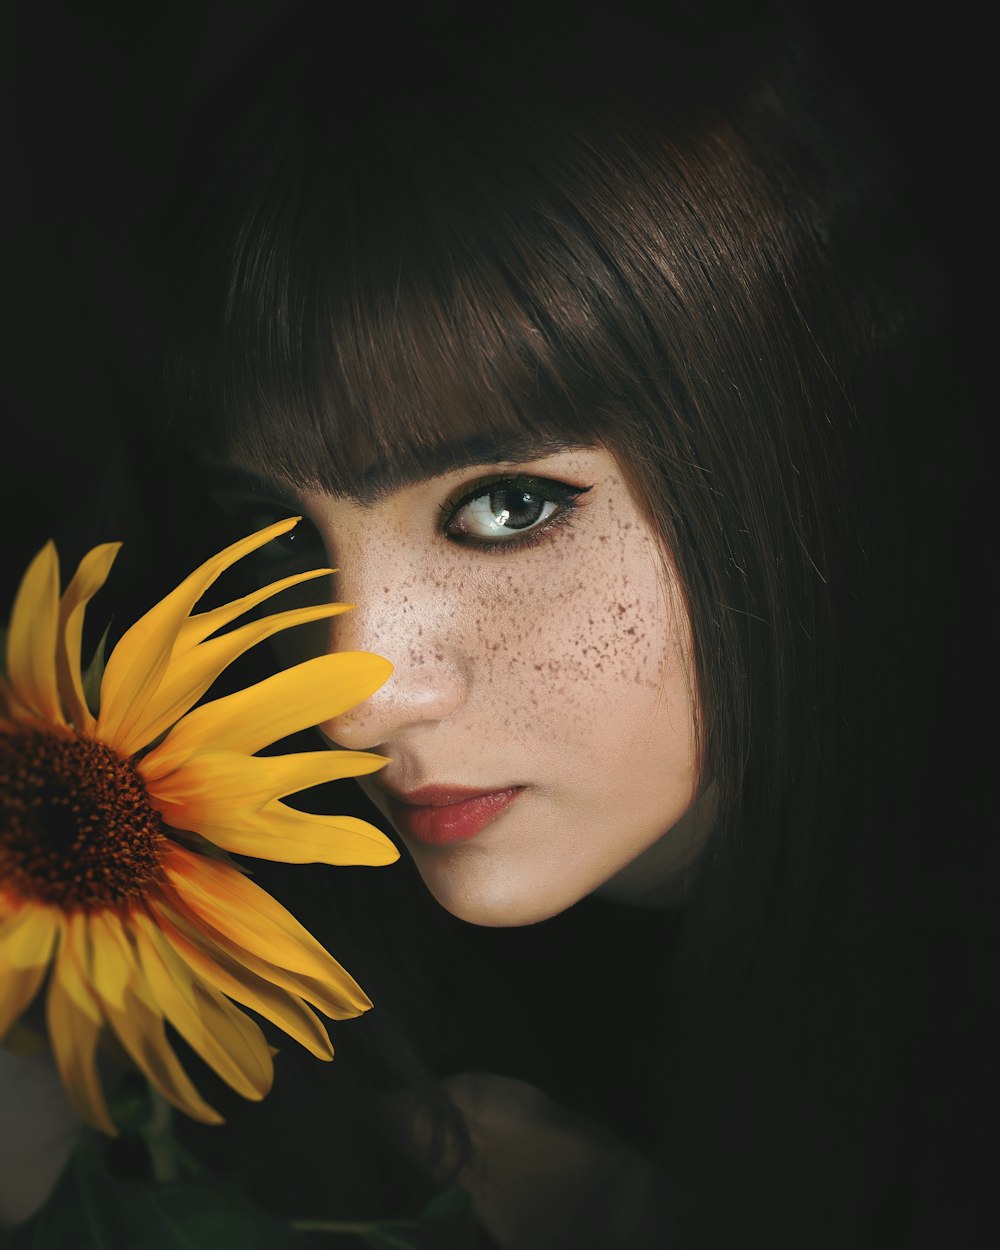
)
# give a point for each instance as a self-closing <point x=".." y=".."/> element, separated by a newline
<point x="540" y="718"/>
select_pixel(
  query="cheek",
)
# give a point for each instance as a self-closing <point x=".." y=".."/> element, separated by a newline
<point x="580" y="653"/>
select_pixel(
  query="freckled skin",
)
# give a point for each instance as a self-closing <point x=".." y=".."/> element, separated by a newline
<point x="563" y="668"/>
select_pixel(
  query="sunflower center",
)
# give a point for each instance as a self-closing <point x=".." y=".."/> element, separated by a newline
<point x="76" y="826"/>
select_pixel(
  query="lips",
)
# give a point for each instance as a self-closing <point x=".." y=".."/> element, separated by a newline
<point x="444" y="815"/>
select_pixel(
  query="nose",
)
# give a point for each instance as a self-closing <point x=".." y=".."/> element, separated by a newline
<point x="414" y="631"/>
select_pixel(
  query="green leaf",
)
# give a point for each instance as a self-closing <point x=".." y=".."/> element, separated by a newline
<point x="198" y="1217"/>
<point x="91" y="677"/>
<point x="90" y="1209"/>
<point x="448" y="1222"/>
<point x="387" y="1237"/>
<point x="129" y="1105"/>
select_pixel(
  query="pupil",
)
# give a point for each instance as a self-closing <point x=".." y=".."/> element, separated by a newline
<point x="516" y="509"/>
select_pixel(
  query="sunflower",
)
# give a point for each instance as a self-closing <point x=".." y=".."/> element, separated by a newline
<point x="117" y="827"/>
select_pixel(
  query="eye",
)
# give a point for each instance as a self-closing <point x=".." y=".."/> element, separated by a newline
<point x="297" y="550"/>
<point x="509" y="511"/>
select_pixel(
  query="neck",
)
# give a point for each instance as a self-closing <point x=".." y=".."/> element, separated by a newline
<point x="663" y="874"/>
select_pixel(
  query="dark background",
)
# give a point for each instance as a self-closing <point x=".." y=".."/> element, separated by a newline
<point x="97" y="95"/>
<point x="97" y="98"/>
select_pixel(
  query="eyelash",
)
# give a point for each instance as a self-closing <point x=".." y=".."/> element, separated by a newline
<point x="299" y="542"/>
<point x="546" y="489"/>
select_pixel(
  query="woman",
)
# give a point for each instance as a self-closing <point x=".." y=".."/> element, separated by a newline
<point x="595" y="357"/>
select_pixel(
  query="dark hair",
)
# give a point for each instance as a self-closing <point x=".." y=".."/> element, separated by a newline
<point x="682" y="241"/>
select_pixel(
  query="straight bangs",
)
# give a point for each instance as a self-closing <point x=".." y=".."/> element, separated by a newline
<point x="415" y="282"/>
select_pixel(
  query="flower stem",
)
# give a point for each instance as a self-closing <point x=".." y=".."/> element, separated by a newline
<point x="358" y="1228"/>
<point x="160" y="1139"/>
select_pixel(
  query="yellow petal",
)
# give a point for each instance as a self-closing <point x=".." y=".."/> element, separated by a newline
<point x="228" y="1041"/>
<point x="18" y="988"/>
<point x="140" y="1030"/>
<point x="112" y="960"/>
<point x="288" y="836"/>
<point x="230" y="975"/>
<point x="338" y="998"/>
<point x="73" y="1034"/>
<point x="138" y="662"/>
<point x="20" y="1040"/>
<point x="228" y="798"/>
<point x="298" y="698"/>
<point x="254" y="780"/>
<point x="200" y="626"/>
<point x="190" y="674"/>
<point x="245" y="914"/>
<point x="73" y="965"/>
<point x="88" y="579"/>
<point x="12" y="710"/>
<point x="31" y="638"/>
<point x="27" y="937"/>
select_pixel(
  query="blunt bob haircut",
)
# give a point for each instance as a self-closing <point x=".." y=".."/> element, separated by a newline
<point x="670" y="240"/>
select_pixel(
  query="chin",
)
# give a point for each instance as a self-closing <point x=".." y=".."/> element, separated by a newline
<point x="486" y="895"/>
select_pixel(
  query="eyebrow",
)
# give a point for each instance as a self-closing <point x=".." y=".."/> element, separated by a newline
<point x="383" y="479"/>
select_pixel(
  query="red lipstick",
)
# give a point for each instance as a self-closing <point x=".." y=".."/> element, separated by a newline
<point x="443" y="815"/>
